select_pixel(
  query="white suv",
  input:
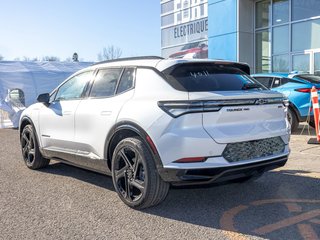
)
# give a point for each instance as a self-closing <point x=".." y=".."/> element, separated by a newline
<point x="150" y="122"/>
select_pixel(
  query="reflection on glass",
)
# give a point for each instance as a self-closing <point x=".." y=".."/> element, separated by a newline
<point x="305" y="35"/>
<point x="280" y="63"/>
<point x="317" y="64"/>
<point x="280" y="39"/>
<point x="167" y="20"/>
<point x="301" y="62"/>
<point x="263" y="51"/>
<point x="302" y="9"/>
<point x="280" y="11"/>
<point x="263" y="10"/>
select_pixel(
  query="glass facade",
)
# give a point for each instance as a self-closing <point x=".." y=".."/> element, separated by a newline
<point x="184" y="28"/>
<point x="287" y="35"/>
<point x="317" y="63"/>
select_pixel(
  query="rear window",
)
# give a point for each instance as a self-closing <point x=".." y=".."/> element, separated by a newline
<point x="309" y="78"/>
<point x="205" y="77"/>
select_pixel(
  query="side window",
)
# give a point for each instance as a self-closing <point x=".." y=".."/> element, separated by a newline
<point x="105" y="82"/>
<point x="265" y="81"/>
<point x="126" y="81"/>
<point x="276" y="82"/>
<point x="74" y="87"/>
<point x="284" y="81"/>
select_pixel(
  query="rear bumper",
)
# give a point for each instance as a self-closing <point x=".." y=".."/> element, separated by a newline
<point x="220" y="174"/>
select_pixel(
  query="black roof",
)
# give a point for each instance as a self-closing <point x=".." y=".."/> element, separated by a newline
<point x="130" y="59"/>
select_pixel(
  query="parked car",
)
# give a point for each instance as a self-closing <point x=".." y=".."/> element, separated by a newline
<point x="192" y="50"/>
<point x="151" y="123"/>
<point x="296" y="87"/>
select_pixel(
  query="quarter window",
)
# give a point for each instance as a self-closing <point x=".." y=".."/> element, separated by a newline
<point x="105" y="82"/>
<point x="126" y="81"/>
<point x="74" y="87"/>
<point x="265" y="81"/>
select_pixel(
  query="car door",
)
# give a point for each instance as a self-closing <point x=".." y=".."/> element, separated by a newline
<point x="97" y="114"/>
<point x="56" y="120"/>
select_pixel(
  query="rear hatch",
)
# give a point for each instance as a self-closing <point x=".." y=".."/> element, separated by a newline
<point x="234" y="106"/>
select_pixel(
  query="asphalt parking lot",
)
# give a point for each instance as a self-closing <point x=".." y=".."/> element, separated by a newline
<point x="64" y="202"/>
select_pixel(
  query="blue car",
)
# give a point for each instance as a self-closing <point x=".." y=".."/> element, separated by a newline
<point x="296" y="87"/>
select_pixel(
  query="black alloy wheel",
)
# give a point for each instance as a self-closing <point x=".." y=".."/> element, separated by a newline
<point x="134" y="175"/>
<point x="129" y="174"/>
<point x="28" y="146"/>
<point x="30" y="149"/>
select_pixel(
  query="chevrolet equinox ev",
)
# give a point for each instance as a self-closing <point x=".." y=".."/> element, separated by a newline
<point x="150" y="123"/>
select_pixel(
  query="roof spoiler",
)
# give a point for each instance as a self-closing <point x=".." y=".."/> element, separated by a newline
<point x="242" y="66"/>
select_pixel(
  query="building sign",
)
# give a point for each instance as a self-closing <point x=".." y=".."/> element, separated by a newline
<point x="196" y="27"/>
<point x="184" y="30"/>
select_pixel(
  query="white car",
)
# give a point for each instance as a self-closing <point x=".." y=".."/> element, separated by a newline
<point x="151" y="123"/>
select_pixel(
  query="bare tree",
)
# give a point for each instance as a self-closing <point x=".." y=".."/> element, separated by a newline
<point x="26" y="59"/>
<point x="109" y="53"/>
<point x="51" y="59"/>
<point x="1" y="57"/>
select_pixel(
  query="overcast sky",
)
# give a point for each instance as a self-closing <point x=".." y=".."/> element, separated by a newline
<point x="38" y="28"/>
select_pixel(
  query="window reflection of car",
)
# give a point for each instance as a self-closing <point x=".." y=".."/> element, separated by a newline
<point x="192" y="50"/>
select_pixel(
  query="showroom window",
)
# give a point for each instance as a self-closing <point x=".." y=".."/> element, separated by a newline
<point x="305" y="35"/>
<point x="263" y="45"/>
<point x="302" y="9"/>
<point x="287" y="35"/>
<point x="280" y="10"/>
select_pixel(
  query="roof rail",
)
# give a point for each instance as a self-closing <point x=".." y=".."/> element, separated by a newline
<point x="129" y="59"/>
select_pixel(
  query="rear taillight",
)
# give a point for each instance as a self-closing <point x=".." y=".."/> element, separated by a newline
<point x="305" y="90"/>
<point x="178" y="108"/>
<point x="191" y="160"/>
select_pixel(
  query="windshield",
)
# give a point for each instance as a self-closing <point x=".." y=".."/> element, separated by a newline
<point x="204" y="77"/>
<point x="310" y="78"/>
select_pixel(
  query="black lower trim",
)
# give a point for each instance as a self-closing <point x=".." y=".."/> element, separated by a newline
<point x="222" y="174"/>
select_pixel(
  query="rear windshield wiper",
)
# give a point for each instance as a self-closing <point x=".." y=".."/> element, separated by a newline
<point x="250" y="86"/>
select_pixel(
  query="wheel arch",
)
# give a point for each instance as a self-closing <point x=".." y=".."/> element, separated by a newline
<point x="124" y="130"/>
<point x="295" y="111"/>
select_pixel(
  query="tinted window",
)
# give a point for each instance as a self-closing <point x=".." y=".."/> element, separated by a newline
<point x="105" y="82"/>
<point x="126" y="81"/>
<point x="309" y="78"/>
<point x="204" y="77"/>
<point x="74" y="87"/>
<point x="265" y="81"/>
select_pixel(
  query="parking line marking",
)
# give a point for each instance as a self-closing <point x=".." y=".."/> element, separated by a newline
<point x="287" y="222"/>
<point x="227" y="218"/>
<point x="293" y="207"/>
<point x="262" y="202"/>
<point x="307" y="232"/>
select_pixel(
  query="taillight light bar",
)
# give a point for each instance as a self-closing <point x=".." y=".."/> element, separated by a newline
<point x="178" y="108"/>
<point x="305" y="90"/>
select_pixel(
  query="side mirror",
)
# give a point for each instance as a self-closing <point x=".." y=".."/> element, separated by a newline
<point x="44" y="98"/>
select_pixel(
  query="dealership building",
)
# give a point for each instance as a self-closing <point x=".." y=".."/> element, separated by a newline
<point x="270" y="35"/>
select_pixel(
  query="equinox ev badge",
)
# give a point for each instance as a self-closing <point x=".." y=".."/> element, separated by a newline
<point x="237" y="109"/>
<point x="261" y="101"/>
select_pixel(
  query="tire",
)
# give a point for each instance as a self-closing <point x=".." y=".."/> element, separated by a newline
<point x="293" y="120"/>
<point x="30" y="149"/>
<point x="135" y="177"/>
